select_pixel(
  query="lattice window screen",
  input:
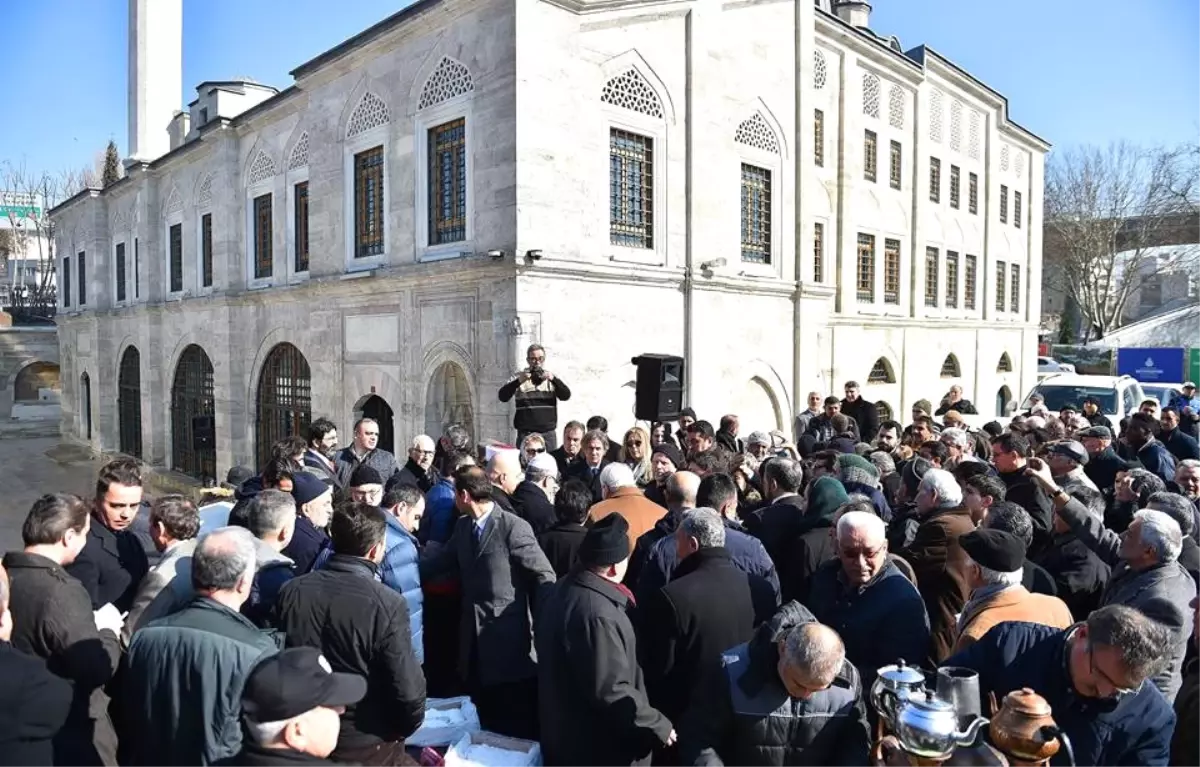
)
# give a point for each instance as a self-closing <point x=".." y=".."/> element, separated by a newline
<point x="262" y="168"/>
<point x="630" y="90"/>
<point x="755" y="132"/>
<point x="299" y="156"/>
<point x="370" y="113"/>
<point x="450" y="80"/>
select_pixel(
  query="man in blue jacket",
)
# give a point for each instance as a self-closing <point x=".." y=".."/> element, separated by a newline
<point x="404" y="506"/>
<point x="1095" y="676"/>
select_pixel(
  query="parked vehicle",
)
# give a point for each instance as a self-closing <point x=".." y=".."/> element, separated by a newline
<point x="1163" y="392"/>
<point x="1118" y="395"/>
<point x="1049" y="365"/>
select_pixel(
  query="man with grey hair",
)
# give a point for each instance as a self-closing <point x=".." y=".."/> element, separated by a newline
<point x="1011" y="518"/>
<point x="680" y="492"/>
<point x="960" y="446"/>
<point x="1093" y="676"/>
<point x="271" y="519"/>
<point x="708" y="606"/>
<point x="937" y="558"/>
<point x="622" y="496"/>
<point x="1179" y="509"/>
<point x="1145" y="572"/>
<point x="1187" y="484"/>
<point x="186" y="671"/>
<point x="533" y="500"/>
<point x="418" y="470"/>
<point x="1067" y="459"/>
<point x="787" y="696"/>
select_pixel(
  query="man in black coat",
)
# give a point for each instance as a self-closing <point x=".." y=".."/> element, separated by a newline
<point x="561" y="542"/>
<point x="813" y="546"/>
<point x="1177" y="442"/>
<point x="595" y="445"/>
<point x="709" y="606"/>
<point x="362" y="627"/>
<point x="778" y="523"/>
<point x="113" y="563"/>
<point x="532" y="498"/>
<point x="53" y="620"/>
<point x="571" y="449"/>
<point x="592" y="699"/>
<point x="505" y="577"/>
<point x="418" y="470"/>
<point x="1009" y="455"/>
<point x="1140" y="438"/>
<point x="1078" y="573"/>
<point x="864" y="413"/>
<point x="35" y="703"/>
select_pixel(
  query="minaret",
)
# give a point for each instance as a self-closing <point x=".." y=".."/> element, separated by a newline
<point x="155" y="75"/>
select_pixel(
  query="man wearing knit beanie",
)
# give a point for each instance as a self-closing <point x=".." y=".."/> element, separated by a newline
<point x="591" y="693"/>
<point x="859" y="475"/>
<point x="310" y="544"/>
<point x="814" y="545"/>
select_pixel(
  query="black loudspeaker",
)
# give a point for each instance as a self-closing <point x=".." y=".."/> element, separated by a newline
<point x="204" y="432"/>
<point x="659" y="387"/>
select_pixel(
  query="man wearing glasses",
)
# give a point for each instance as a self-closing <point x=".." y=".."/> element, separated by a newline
<point x="1095" y="676"/>
<point x="537" y="394"/>
<point x="417" y="471"/>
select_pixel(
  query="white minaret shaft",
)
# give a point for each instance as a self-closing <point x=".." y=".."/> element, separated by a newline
<point x="155" y="75"/>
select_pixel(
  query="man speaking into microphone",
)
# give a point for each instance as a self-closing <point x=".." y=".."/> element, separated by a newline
<point x="538" y="392"/>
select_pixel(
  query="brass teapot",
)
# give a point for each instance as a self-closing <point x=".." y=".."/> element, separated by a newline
<point x="1025" y="729"/>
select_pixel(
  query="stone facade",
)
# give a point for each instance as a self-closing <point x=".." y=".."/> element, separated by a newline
<point x="435" y="330"/>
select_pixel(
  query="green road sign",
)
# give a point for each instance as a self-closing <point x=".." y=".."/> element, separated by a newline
<point x="9" y="212"/>
<point x="1193" y="364"/>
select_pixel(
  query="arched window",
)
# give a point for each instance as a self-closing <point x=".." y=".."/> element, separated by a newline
<point x="950" y="368"/>
<point x="448" y="400"/>
<point x="1005" y="364"/>
<point x="885" y="414"/>
<point x="129" y="402"/>
<point x="881" y="372"/>
<point x="284" y="399"/>
<point x="193" y="416"/>
<point x="32" y="379"/>
<point x="1003" y="398"/>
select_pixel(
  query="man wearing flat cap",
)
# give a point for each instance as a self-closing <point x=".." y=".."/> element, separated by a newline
<point x="314" y="506"/>
<point x="1067" y="460"/>
<point x="1103" y="464"/>
<point x="591" y="693"/>
<point x="291" y="707"/>
<point x="994" y="572"/>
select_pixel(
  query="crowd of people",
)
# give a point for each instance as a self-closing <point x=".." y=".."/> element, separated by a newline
<point x="682" y="595"/>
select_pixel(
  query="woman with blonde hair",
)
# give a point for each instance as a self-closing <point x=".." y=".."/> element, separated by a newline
<point x="635" y="453"/>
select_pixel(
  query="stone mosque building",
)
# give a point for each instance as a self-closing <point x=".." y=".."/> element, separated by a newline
<point x="766" y="187"/>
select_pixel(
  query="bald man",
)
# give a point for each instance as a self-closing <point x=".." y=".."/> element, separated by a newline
<point x="863" y="595"/>
<point x="806" y="699"/>
<point x="504" y="472"/>
<point x="680" y="493"/>
<point x="418" y="471"/>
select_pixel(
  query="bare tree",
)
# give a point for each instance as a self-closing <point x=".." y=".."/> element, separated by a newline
<point x="30" y="233"/>
<point x="1107" y="211"/>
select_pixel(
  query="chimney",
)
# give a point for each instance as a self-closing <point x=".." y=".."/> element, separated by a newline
<point x="856" y="13"/>
<point x="180" y="125"/>
<point x="155" y="75"/>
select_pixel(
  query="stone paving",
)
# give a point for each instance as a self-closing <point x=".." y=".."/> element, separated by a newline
<point x="33" y="466"/>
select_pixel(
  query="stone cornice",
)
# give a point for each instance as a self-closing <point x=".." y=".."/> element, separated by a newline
<point x="584" y="7"/>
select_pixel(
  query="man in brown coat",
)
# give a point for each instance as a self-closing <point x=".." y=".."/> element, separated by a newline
<point x="938" y="560"/>
<point x="622" y="496"/>
<point x="994" y="572"/>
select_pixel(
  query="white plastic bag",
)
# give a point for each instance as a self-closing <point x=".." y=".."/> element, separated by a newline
<point x="487" y="749"/>
<point x="446" y="721"/>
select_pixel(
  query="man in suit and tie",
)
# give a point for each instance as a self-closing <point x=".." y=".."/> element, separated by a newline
<point x="593" y="452"/>
<point x="504" y="577"/>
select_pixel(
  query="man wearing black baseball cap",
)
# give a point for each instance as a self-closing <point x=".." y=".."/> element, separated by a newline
<point x="591" y="693"/>
<point x="291" y="706"/>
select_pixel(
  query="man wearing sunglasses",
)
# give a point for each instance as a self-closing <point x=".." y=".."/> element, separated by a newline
<point x="1095" y="676"/>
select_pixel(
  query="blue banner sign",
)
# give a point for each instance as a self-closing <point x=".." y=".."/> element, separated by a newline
<point x="1151" y="365"/>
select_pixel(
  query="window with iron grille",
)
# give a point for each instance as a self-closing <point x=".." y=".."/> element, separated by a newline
<point x="1003" y="204"/>
<point x="756" y="214"/>
<point x="881" y="372"/>
<point x="368" y="203"/>
<point x="935" y="179"/>
<point x="1001" y="275"/>
<point x="175" y="243"/>
<point x="284" y="399"/>
<point x="954" y="187"/>
<point x="81" y="265"/>
<point x="137" y="269"/>
<point x="969" y="272"/>
<point x="894" y="166"/>
<point x="891" y="272"/>
<point x="1014" y="291"/>
<point x="973" y="193"/>
<point x="630" y="189"/>
<point x="865" y="281"/>
<point x="931" y="276"/>
<point x="447" y="183"/>
<point x="1016" y="209"/>
<point x="870" y="155"/>
<point x="206" y="245"/>
<point x="120" y="259"/>
<point x="192" y="408"/>
<point x="66" y="288"/>
<point x="129" y="402"/>
<point x="951" y="279"/>
<point x="263" y="259"/>
<point x="819" y="138"/>
<point x="818" y="252"/>
<point x="300" y="226"/>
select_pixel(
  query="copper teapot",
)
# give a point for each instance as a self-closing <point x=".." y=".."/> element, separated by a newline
<point x="1025" y="729"/>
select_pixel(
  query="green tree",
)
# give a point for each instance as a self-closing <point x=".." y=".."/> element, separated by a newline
<point x="112" y="165"/>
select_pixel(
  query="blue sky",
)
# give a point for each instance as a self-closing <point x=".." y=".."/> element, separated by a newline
<point x="1075" y="71"/>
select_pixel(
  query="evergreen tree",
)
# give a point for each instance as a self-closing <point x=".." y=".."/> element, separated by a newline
<point x="112" y="165"/>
